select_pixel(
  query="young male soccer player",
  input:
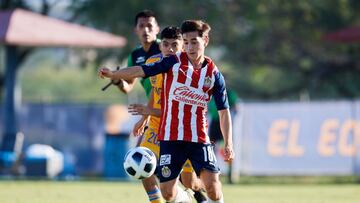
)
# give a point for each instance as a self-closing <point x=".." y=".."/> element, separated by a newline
<point x="146" y="29"/>
<point x="190" y="79"/>
<point x="171" y="42"/>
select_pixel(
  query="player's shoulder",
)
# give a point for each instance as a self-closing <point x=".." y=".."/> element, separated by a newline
<point x="211" y="64"/>
<point x="136" y="49"/>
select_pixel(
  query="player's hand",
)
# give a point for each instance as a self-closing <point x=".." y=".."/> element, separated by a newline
<point x="138" y="109"/>
<point x="139" y="127"/>
<point x="105" y="73"/>
<point x="229" y="153"/>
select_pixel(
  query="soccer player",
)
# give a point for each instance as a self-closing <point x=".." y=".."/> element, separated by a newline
<point x="171" y="42"/>
<point x="146" y="29"/>
<point x="190" y="80"/>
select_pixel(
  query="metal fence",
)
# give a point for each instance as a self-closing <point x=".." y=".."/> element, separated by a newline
<point x="287" y="138"/>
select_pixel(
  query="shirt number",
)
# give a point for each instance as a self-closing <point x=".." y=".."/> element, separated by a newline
<point x="209" y="154"/>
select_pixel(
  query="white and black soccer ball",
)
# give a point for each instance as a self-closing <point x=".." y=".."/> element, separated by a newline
<point x="140" y="162"/>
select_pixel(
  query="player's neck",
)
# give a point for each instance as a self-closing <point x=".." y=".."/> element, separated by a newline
<point x="146" y="46"/>
<point x="197" y="63"/>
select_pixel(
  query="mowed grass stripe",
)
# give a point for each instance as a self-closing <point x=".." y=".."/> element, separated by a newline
<point x="125" y="192"/>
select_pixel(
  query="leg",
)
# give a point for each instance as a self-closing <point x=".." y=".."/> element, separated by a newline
<point x="189" y="178"/>
<point x="169" y="189"/>
<point x="150" y="184"/>
<point x="204" y="163"/>
<point x="212" y="185"/>
<point x="170" y="164"/>
<point x="191" y="181"/>
<point x="152" y="189"/>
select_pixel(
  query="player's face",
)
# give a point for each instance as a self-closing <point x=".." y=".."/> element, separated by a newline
<point x="194" y="45"/>
<point x="146" y="29"/>
<point x="170" y="46"/>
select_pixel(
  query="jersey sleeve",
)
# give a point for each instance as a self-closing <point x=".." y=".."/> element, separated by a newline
<point x="159" y="65"/>
<point x="219" y="92"/>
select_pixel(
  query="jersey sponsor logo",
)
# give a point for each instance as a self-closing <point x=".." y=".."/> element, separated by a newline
<point x="190" y="96"/>
<point x="165" y="159"/>
<point x="140" y="59"/>
<point x="154" y="59"/>
<point x="165" y="172"/>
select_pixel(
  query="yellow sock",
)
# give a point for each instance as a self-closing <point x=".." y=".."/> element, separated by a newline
<point x="155" y="196"/>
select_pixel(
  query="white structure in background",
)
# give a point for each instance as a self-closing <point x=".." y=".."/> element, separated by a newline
<point x="51" y="159"/>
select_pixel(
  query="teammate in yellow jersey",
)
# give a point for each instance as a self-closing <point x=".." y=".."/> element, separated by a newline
<point x="171" y="42"/>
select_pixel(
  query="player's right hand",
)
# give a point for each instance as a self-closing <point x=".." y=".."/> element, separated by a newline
<point x="229" y="152"/>
<point x="105" y="72"/>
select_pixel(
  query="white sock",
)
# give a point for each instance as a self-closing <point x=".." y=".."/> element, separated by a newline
<point x="221" y="200"/>
<point x="181" y="196"/>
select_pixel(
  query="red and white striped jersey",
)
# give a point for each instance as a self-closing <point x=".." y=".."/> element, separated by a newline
<point x="185" y="97"/>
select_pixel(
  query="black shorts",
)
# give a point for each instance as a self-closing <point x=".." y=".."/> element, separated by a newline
<point x="173" y="155"/>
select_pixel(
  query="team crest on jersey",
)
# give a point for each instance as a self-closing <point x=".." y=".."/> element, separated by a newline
<point x="154" y="59"/>
<point x="140" y="59"/>
<point x="207" y="81"/>
<point x="165" y="172"/>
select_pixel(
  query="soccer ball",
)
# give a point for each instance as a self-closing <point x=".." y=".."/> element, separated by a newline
<point x="140" y="162"/>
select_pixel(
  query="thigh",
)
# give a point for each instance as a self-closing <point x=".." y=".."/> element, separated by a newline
<point x="172" y="158"/>
<point x="209" y="178"/>
<point x="202" y="156"/>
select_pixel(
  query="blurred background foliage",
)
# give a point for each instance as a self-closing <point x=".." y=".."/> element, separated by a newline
<point x="267" y="49"/>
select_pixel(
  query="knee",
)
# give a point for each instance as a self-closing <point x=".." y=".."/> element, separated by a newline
<point x="214" y="191"/>
<point x="190" y="180"/>
<point x="187" y="182"/>
<point x="194" y="185"/>
<point x="168" y="193"/>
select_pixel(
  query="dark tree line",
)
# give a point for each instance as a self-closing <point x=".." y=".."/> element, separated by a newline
<point x="268" y="49"/>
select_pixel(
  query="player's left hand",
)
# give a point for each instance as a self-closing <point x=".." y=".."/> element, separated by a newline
<point x="229" y="153"/>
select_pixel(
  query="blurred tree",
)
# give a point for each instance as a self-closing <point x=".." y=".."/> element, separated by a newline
<point x="272" y="49"/>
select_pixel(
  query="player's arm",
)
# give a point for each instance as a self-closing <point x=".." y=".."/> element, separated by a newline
<point x="226" y="130"/>
<point x="123" y="85"/>
<point x="129" y="73"/>
<point x="222" y="104"/>
<point x="139" y="126"/>
<point x="133" y="72"/>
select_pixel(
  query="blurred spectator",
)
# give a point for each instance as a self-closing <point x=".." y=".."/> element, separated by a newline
<point x="116" y="141"/>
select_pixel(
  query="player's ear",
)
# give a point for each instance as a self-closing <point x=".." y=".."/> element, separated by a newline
<point x="206" y="40"/>
<point x="157" y="27"/>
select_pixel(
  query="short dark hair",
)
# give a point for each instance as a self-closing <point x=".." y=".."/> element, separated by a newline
<point x="171" y="32"/>
<point x="144" y="14"/>
<point x="195" y="25"/>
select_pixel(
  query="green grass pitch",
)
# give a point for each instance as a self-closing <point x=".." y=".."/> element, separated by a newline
<point x="132" y="192"/>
